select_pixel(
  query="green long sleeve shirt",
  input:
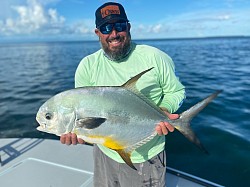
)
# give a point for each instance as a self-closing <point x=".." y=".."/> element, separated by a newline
<point x="159" y="85"/>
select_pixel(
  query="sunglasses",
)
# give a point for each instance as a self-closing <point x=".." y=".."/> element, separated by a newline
<point x="108" y="28"/>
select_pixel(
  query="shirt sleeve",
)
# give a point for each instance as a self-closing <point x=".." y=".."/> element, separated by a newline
<point x="173" y="92"/>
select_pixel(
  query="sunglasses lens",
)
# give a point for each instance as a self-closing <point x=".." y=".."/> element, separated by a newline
<point x="119" y="27"/>
<point x="106" y="29"/>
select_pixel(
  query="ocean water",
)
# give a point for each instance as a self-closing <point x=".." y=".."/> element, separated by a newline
<point x="30" y="73"/>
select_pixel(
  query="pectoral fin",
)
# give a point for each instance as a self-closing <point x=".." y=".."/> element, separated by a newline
<point x="126" y="157"/>
<point x="89" y="122"/>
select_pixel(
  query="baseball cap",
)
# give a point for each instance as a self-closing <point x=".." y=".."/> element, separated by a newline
<point x="108" y="12"/>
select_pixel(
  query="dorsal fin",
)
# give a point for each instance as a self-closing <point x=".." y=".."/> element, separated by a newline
<point x="130" y="84"/>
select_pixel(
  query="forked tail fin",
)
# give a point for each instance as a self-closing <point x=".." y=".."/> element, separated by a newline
<point x="183" y="123"/>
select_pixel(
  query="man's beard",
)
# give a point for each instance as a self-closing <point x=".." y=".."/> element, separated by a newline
<point x="119" y="52"/>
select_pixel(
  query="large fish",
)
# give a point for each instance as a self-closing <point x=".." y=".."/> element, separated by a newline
<point x="119" y="117"/>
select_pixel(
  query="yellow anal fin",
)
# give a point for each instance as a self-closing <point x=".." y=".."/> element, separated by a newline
<point x="126" y="157"/>
<point x="112" y="143"/>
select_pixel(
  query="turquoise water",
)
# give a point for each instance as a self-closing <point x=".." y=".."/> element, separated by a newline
<point x="31" y="73"/>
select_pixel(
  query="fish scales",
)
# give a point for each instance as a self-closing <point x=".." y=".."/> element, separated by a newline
<point x="118" y="117"/>
<point x="122" y="122"/>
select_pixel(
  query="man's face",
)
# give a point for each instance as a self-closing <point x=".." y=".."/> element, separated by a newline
<point x="116" y="44"/>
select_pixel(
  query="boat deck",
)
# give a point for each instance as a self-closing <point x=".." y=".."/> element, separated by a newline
<point x="41" y="162"/>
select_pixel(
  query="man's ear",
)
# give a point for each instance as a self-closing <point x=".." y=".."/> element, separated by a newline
<point x="97" y="32"/>
<point x="129" y="26"/>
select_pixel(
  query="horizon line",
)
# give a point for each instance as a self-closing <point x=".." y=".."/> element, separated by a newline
<point x="136" y="39"/>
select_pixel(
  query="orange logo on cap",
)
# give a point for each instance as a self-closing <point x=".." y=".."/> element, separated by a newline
<point x="111" y="9"/>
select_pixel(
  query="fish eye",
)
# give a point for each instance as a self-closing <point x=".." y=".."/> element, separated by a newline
<point x="48" y="116"/>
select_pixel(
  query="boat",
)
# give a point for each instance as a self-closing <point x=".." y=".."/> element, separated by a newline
<point x="34" y="162"/>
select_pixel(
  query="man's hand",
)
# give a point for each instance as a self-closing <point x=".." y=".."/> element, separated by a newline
<point x="71" y="138"/>
<point x="164" y="127"/>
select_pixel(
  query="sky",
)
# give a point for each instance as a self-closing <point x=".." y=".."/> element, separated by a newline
<point x="74" y="20"/>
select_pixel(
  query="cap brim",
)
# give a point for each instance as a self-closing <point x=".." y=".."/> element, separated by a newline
<point x="110" y="20"/>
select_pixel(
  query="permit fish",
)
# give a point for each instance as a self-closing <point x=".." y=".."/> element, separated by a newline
<point x="118" y="117"/>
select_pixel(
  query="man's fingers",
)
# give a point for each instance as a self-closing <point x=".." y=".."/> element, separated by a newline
<point x="169" y="127"/>
<point x="80" y="141"/>
<point x="63" y="138"/>
<point x="164" y="128"/>
<point x="158" y="130"/>
<point x="172" y="116"/>
<point x="71" y="138"/>
<point x="68" y="139"/>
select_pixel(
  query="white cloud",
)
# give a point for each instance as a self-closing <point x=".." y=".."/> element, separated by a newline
<point x="34" y="19"/>
<point x="31" y="18"/>
<point x="197" y="24"/>
<point x="157" y="28"/>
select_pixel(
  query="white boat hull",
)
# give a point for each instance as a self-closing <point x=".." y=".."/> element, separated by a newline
<point x="44" y="163"/>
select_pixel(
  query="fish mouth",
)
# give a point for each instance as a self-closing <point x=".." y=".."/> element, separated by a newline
<point x="42" y="127"/>
<point x="38" y="119"/>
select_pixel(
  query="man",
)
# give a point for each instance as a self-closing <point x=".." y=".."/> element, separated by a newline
<point x="114" y="64"/>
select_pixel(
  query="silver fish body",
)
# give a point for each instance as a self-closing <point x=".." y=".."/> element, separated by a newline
<point x="128" y="119"/>
<point x="120" y="118"/>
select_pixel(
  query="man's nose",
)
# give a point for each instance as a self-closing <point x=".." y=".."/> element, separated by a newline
<point x="113" y="32"/>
